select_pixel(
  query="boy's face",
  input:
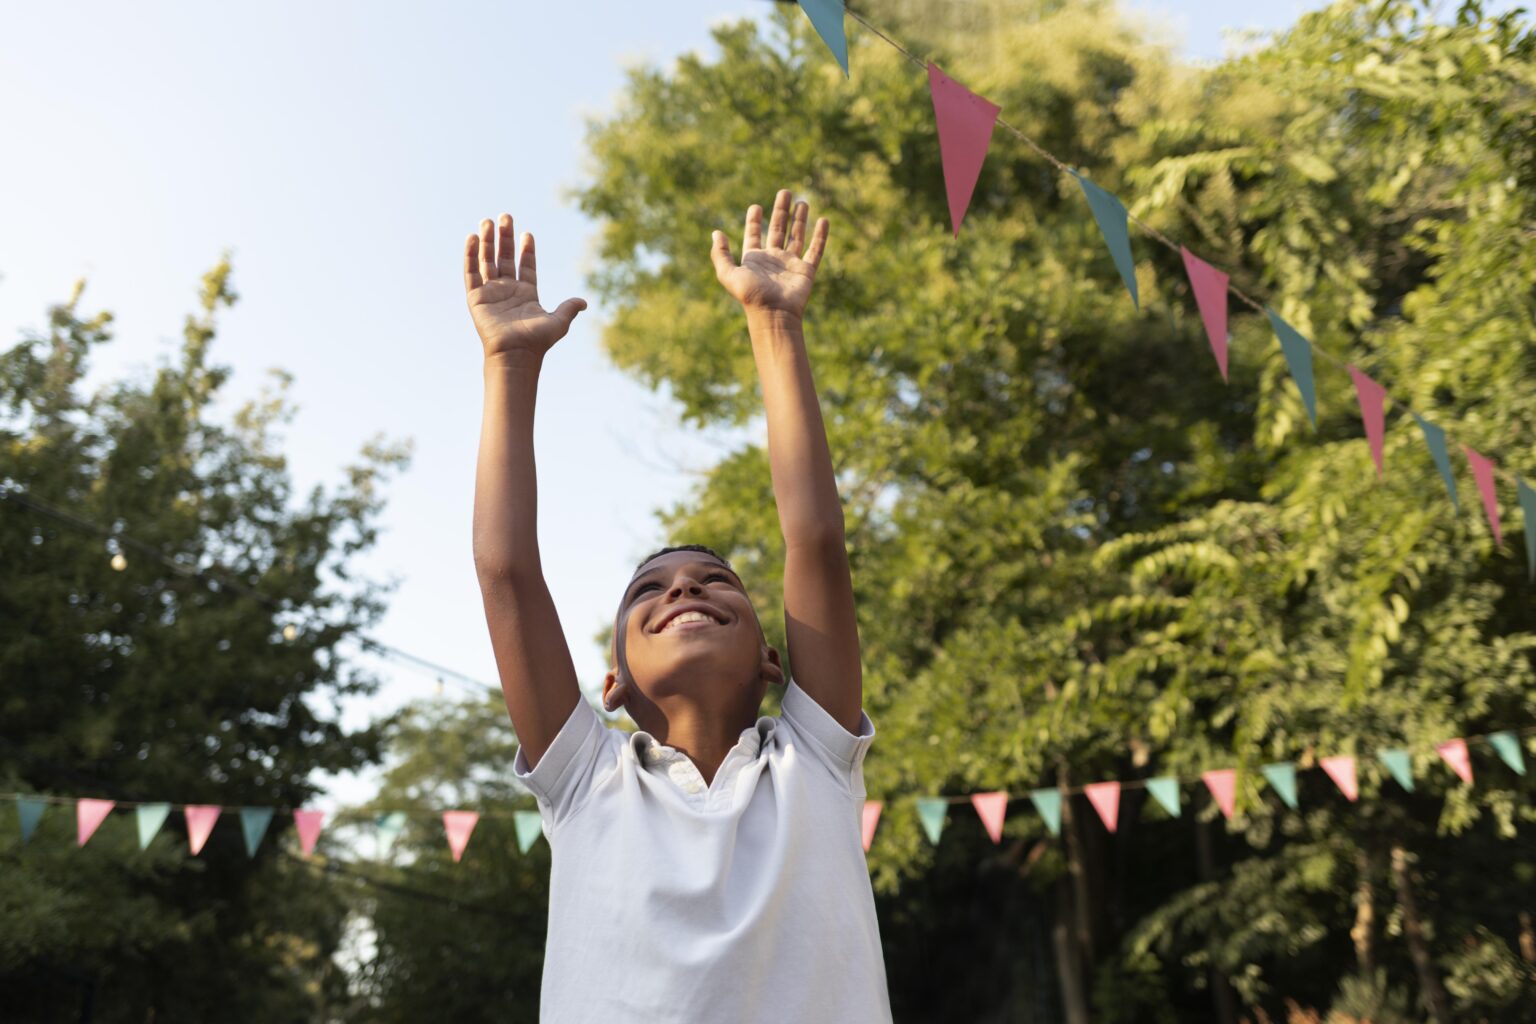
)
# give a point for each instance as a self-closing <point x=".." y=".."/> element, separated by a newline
<point x="723" y="657"/>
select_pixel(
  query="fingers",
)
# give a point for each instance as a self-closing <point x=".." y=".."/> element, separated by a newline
<point x="780" y="218"/>
<point x="506" y="264"/>
<point x="568" y="309"/>
<point x="720" y="255"/>
<point x="752" y="237"/>
<point x="527" y="266"/>
<point x="472" y="278"/>
<point x="818" y="242"/>
<point x="797" y="231"/>
<point x="488" y="250"/>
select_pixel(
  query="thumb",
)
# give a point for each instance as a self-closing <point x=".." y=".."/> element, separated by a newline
<point x="568" y="309"/>
<point x="720" y="254"/>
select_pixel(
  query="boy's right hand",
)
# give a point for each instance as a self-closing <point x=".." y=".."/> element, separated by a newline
<point x="512" y="324"/>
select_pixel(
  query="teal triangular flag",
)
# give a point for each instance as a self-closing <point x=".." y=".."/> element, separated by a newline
<point x="29" y="809"/>
<point x="1298" y="354"/>
<point x="1528" y="507"/>
<point x="1508" y="747"/>
<point x="1282" y="778"/>
<point x="1110" y="214"/>
<point x="930" y="811"/>
<point x="827" y="18"/>
<point x="1166" y="792"/>
<point x="254" y="822"/>
<point x="1400" y="765"/>
<point x="1434" y="437"/>
<point x="151" y="817"/>
<point x="528" y="824"/>
<point x="1048" y="803"/>
<point x="390" y="826"/>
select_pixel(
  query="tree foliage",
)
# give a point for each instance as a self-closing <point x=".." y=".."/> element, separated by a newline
<point x="1079" y="554"/>
<point x="168" y="682"/>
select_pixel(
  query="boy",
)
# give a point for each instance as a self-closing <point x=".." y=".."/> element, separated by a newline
<point x="708" y="867"/>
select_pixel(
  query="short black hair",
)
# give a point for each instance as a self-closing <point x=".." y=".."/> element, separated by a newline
<point x="684" y="547"/>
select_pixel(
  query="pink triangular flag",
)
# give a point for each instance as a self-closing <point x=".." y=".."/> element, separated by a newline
<point x="200" y="819"/>
<point x="458" y="825"/>
<point x="1210" y="286"/>
<point x="965" y="123"/>
<point x="1454" y="752"/>
<point x="308" y="823"/>
<point x="1223" y="786"/>
<point x="1482" y="472"/>
<point x="89" y="814"/>
<point x="1371" y="396"/>
<point x="1105" y="797"/>
<point x="871" y="816"/>
<point x="1341" y="769"/>
<point x="991" y="807"/>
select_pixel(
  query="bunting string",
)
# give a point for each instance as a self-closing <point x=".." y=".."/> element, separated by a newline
<point x="959" y="157"/>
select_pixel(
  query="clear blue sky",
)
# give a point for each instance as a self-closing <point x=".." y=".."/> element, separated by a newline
<point x="343" y="150"/>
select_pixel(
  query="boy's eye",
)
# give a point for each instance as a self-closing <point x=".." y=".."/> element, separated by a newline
<point x="712" y="576"/>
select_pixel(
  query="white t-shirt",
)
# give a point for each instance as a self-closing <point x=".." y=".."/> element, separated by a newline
<point x="746" y="901"/>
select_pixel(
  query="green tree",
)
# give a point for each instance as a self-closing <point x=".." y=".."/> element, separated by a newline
<point x="1079" y="554"/>
<point x="169" y="682"/>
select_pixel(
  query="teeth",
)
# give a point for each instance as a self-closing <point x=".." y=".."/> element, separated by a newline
<point x="687" y="617"/>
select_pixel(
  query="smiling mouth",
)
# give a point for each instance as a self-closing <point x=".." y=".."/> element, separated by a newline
<point x="674" y="625"/>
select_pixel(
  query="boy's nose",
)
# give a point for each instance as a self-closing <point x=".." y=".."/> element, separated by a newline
<point x="692" y="587"/>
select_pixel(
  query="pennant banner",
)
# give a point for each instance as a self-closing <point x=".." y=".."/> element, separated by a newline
<point x="529" y="825"/>
<point x="388" y="828"/>
<point x="459" y="825"/>
<point x="1371" y="397"/>
<point x="991" y="807"/>
<point x="1434" y="438"/>
<point x="1223" y="786"/>
<point x="1528" y="513"/>
<point x="1048" y="803"/>
<point x="1298" y="355"/>
<point x="1210" y="288"/>
<point x="871" y="817"/>
<point x="1341" y="769"/>
<point x="1482" y="472"/>
<point x="151" y="818"/>
<point x="1110" y="215"/>
<point x="1282" y="779"/>
<point x="253" y="826"/>
<point x="1507" y="745"/>
<point x="89" y="814"/>
<point x="1400" y="764"/>
<point x="827" y="18"/>
<point x="1454" y="752"/>
<point x="200" y="819"/>
<point x="29" y="809"/>
<point x="931" y="812"/>
<point x="965" y="123"/>
<point x="1105" y="797"/>
<point x="308" y="823"/>
<point x="1166" y="792"/>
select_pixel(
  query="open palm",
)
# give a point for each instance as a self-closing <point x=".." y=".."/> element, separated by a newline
<point x="505" y="305"/>
<point x="772" y="276"/>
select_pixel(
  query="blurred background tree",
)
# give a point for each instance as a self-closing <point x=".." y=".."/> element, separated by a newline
<point x="169" y="681"/>
<point x="1080" y="554"/>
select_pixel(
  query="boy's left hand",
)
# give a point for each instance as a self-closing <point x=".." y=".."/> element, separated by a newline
<point x="772" y="277"/>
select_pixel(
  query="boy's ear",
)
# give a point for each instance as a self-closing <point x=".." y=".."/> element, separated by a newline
<point x="772" y="670"/>
<point x="614" y="691"/>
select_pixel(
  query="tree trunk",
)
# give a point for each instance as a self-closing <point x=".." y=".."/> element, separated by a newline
<point x="1222" y="997"/>
<point x="1074" y="1001"/>
<point x="1527" y="937"/>
<point x="1430" y="990"/>
<point x="1364" y="932"/>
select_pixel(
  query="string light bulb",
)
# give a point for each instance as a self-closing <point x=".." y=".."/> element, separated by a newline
<point x="289" y="632"/>
<point x="439" y="686"/>
<point x="119" y="562"/>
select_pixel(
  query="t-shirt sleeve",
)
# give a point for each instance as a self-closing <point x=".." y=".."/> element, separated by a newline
<point x="827" y="742"/>
<point x="564" y="776"/>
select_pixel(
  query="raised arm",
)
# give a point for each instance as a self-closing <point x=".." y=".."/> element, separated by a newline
<point x="538" y="678"/>
<point x="773" y="284"/>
